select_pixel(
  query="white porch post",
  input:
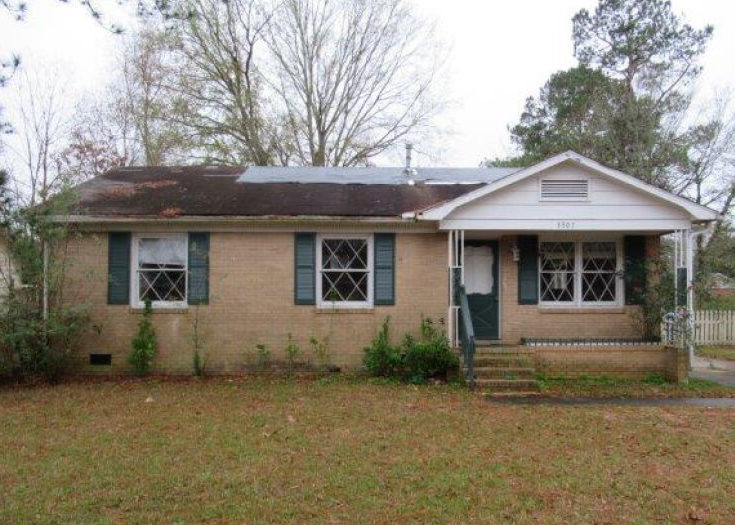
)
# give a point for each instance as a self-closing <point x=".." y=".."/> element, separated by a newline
<point x="455" y="254"/>
<point x="684" y="246"/>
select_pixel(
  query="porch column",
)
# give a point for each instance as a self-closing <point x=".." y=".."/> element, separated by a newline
<point x="684" y="268"/>
<point x="455" y="253"/>
<point x="684" y="279"/>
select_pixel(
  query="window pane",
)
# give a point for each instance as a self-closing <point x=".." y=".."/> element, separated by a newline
<point x="344" y="286"/>
<point x="344" y="270"/>
<point x="557" y="271"/>
<point x="344" y="254"/>
<point x="162" y="251"/>
<point x="599" y="263"/>
<point x="162" y="285"/>
<point x="162" y="269"/>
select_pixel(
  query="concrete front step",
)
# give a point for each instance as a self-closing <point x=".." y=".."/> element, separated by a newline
<point x="510" y="372"/>
<point x="503" y="350"/>
<point x="507" y="385"/>
<point x="503" y="361"/>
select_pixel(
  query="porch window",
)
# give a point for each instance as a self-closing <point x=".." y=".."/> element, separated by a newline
<point x="345" y="271"/>
<point x="557" y="272"/>
<point x="599" y="264"/>
<point x="579" y="273"/>
<point x="160" y="267"/>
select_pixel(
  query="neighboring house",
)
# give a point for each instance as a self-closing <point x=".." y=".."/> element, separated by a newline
<point x="722" y="285"/>
<point x="552" y="255"/>
<point x="8" y="273"/>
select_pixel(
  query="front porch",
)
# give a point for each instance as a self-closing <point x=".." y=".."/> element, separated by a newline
<point x="556" y="305"/>
<point x="563" y="250"/>
<point x="515" y="368"/>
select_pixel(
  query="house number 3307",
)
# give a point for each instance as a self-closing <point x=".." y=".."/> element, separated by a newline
<point x="565" y="225"/>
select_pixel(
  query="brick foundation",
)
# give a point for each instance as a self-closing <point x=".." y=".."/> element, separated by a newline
<point x="635" y="362"/>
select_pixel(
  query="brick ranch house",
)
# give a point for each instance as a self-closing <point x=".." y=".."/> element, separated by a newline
<point x="545" y="256"/>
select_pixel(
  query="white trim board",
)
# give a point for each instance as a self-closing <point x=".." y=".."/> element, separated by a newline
<point x="562" y="225"/>
<point x="696" y="211"/>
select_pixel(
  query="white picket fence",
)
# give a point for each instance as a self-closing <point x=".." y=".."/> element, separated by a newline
<point x="714" y="327"/>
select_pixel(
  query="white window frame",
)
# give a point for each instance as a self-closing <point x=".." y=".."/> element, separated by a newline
<point x="370" y="288"/>
<point x="578" y="272"/>
<point x="135" y="301"/>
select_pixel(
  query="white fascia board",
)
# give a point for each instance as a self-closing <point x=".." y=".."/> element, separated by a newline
<point x="697" y="211"/>
<point x="565" y="226"/>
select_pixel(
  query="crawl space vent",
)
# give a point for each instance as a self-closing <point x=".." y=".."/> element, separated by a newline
<point x="100" y="359"/>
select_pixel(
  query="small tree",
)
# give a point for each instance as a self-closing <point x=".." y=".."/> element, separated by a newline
<point x="144" y="344"/>
<point x="199" y="360"/>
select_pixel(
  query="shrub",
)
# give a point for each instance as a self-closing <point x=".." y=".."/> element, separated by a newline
<point x="292" y="352"/>
<point x="40" y="328"/>
<point x="144" y="344"/>
<point x="320" y="349"/>
<point x="199" y="361"/>
<point x="263" y="355"/>
<point x="31" y="348"/>
<point x="428" y="357"/>
<point x="381" y="358"/>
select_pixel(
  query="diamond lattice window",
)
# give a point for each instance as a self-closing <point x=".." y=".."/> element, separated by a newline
<point x="345" y="270"/>
<point x="599" y="264"/>
<point x="557" y="275"/>
<point x="579" y="273"/>
<point x="161" y="269"/>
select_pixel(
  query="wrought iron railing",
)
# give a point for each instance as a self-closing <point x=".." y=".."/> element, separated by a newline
<point x="466" y="334"/>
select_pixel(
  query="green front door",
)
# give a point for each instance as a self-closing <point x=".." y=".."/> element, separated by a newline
<point x="481" y="283"/>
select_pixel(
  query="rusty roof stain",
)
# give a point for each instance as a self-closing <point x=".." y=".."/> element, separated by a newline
<point x="169" y="192"/>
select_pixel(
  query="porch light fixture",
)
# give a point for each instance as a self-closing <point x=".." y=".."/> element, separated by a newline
<point x="516" y="252"/>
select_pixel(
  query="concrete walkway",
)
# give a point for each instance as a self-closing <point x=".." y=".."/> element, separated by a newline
<point x="719" y="370"/>
<point x="707" y="402"/>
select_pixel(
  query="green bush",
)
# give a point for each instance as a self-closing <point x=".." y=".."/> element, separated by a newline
<point x="418" y="360"/>
<point x="382" y="359"/>
<point x="144" y="344"/>
<point x="292" y="352"/>
<point x="428" y="357"/>
<point x="31" y="348"/>
<point x="320" y="349"/>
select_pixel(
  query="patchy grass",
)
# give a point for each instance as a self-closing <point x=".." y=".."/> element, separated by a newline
<point x="652" y="386"/>
<point x="718" y="352"/>
<point x="277" y="451"/>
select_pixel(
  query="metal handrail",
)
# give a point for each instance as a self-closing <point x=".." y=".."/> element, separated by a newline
<point x="467" y="334"/>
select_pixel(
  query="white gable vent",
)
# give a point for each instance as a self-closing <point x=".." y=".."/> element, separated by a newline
<point x="565" y="190"/>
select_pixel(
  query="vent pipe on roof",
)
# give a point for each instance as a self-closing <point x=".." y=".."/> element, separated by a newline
<point x="408" y="171"/>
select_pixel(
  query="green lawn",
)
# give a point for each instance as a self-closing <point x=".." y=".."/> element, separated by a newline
<point x="351" y="451"/>
<point x="718" y="352"/>
<point x="652" y="386"/>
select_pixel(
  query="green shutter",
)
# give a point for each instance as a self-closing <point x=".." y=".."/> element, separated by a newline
<point x="305" y="268"/>
<point x="118" y="268"/>
<point x="681" y="286"/>
<point x="528" y="269"/>
<point x="634" y="249"/>
<point x="384" y="269"/>
<point x="198" y="281"/>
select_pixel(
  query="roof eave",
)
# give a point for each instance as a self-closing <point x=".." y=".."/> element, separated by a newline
<point x="117" y="219"/>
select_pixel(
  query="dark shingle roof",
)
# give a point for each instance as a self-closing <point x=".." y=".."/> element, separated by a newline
<point x="216" y="191"/>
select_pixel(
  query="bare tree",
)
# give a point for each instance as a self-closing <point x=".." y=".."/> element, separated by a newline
<point x="354" y="77"/>
<point x="41" y="125"/>
<point x="710" y="176"/>
<point x="142" y="100"/>
<point x="219" y="88"/>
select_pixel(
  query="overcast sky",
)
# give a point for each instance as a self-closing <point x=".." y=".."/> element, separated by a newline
<point x="500" y="53"/>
